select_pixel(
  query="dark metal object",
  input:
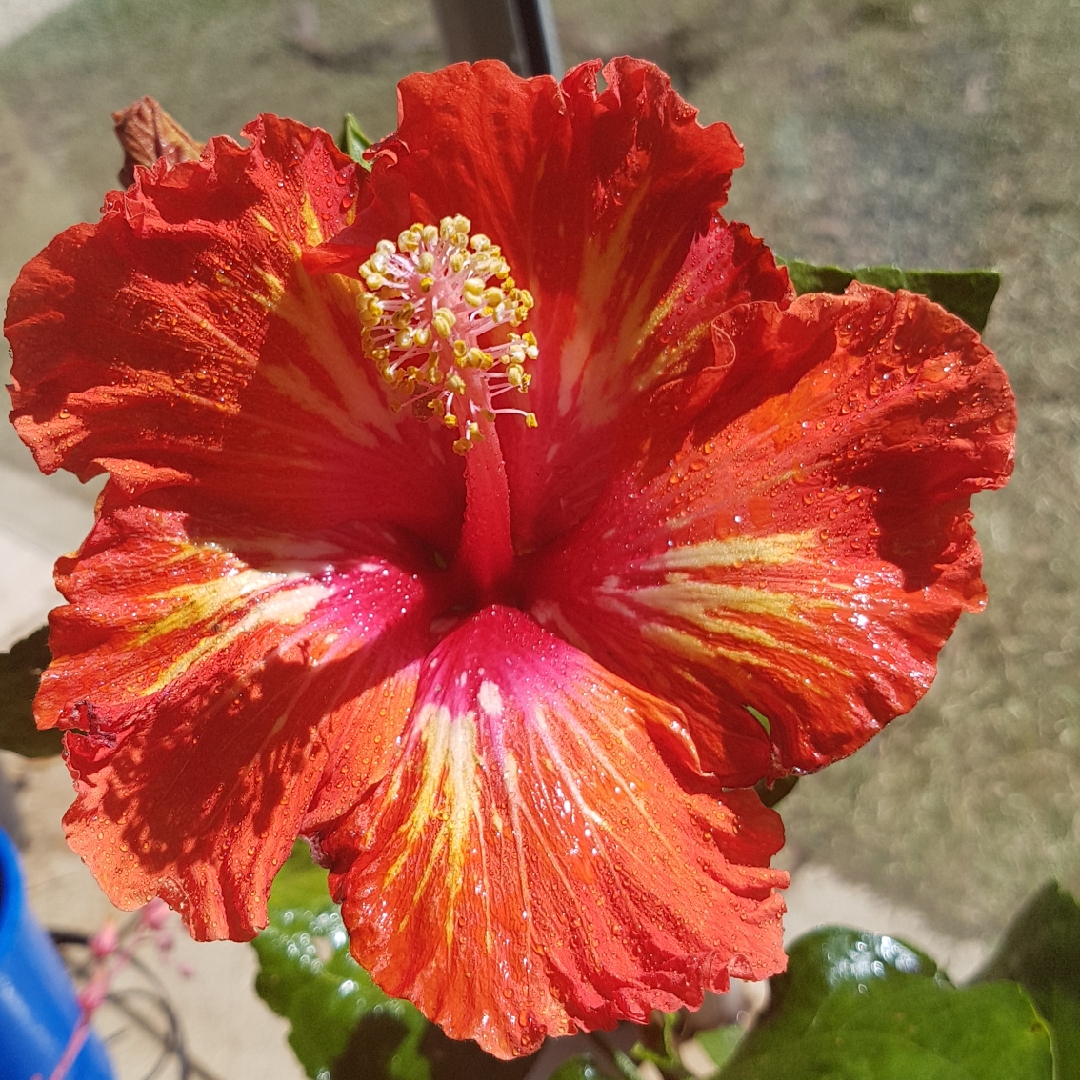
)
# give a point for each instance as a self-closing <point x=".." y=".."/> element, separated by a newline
<point x="519" y="32"/>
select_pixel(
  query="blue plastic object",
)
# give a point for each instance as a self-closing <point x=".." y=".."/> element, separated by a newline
<point x="37" y="1000"/>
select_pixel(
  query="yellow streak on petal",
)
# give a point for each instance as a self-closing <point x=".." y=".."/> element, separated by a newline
<point x="663" y="309"/>
<point x="700" y="603"/>
<point x="357" y="410"/>
<point x="602" y="373"/>
<point x="670" y="360"/>
<point x="275" y="289"/>
<point x="266" y="224"/>
<point x="198" y="603"/>
<point x="449" y="795"/>
<point x="691" y="647"/>
<point x="312" y="227"/>
<point x="734" y="551"/>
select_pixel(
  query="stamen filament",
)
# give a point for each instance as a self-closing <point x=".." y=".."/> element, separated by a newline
<point x="427" y="305"/>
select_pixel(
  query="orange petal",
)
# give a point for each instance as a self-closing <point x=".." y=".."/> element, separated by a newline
<point x="598" y="199"/>
<point x="789" y="544"/>
<point x="542" y="859"/>
<point x="220" y="694"/>
<point x="180" y="341"/>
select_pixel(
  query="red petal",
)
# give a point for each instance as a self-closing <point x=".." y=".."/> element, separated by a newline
<point x="806" y="549"/>
<point x="222" y="693"/>
<point x="540" y="860"/>
<point x="596" y="198"/>
<point x="180" y="341"/>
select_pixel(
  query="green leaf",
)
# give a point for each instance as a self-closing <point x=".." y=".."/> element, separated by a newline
<point x="1041" y="951"/>
<point x="20" y="673"/>
<point x="658" y="1043"/>
<point x="342" y="1025"/>
<point x="579" y="1067"/>
<point x="966" y="293"/>
<point x="856" y="1006"/>
<point x="353" y="141"/>
<point x="720" y="1043"/>
<point x="307" y="975"/>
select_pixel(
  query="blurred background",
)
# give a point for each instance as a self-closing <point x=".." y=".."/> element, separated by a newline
<point x="937" y="134"/>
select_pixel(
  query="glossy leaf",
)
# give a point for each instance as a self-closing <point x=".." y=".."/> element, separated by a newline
<point x="967" y="293"/>
<point x="720" y="1043"/>
<point x="1041" y="951"/>
<point x="20" y="673"/>
<point x="343" y="1026"/>
<point x="579" y="1067"/>
<point x="658" y="1043"/>
<point x="307" y="975"/>
<point x="855" y="1005"/>
<point x="353" y="141"/>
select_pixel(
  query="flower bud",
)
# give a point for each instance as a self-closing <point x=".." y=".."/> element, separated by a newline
<point x="147" y="132"/>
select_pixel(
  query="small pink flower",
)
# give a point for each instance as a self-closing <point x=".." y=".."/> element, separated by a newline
<point x="106" y="941"/>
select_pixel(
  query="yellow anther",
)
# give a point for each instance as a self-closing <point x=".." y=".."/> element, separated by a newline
<point x="368" y="309"/>
<point x="440" y="284"/>
<point x="530" y="420"/>
<point x="443" y="321"/>
<point x="473" y="291"/>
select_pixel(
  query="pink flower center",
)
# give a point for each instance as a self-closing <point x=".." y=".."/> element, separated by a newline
<point x="433" y="307"/>
<point x="427" y="303"/>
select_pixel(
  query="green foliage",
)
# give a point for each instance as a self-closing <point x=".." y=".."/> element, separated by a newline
<point x="720" y="1043"/>
<point x="353" y="141"/>
<point x="343" y="1026"/>
<point x="20" y="673"/>
<point x="857" y="1006"/>
<point x="659" y="1043"/>
<point x="307" y="975"/>
<point x="1041" y="951"/>
<point x="579" y="1067"/>
<point x="966" y="293"/>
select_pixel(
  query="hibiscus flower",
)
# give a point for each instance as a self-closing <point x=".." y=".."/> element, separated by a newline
<point x="495" y="520"/>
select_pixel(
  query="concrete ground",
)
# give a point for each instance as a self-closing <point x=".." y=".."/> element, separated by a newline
<point x="941" y="133"/>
